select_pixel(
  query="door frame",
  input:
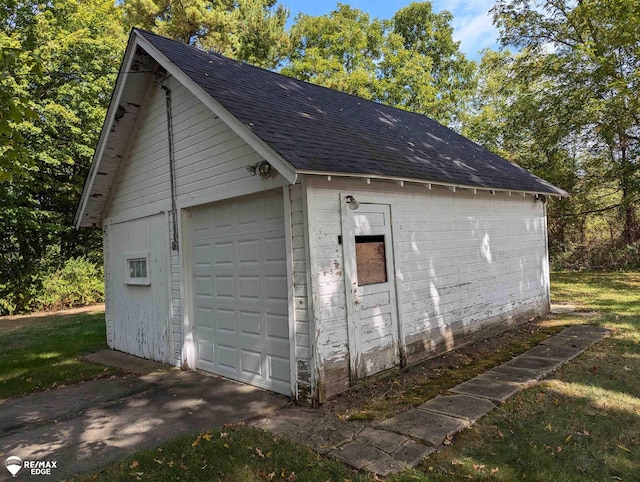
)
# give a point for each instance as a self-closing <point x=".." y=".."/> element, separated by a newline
<point x="351" y="283"/>
<point x="189" y="348"/>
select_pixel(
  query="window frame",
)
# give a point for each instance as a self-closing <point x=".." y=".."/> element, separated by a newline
<point x="365" y="239"/>
<point x="137" y="280"/>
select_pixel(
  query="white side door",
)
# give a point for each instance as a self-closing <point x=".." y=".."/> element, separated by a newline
<point x="374" y="315"/>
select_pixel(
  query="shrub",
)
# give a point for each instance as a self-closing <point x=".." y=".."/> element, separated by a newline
<point x="597" y="256"/>
<point x="79" y="282"/>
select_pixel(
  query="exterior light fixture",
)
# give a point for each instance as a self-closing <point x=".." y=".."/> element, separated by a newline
<point x="262" y="167"/>
<point x="352" y="202"/>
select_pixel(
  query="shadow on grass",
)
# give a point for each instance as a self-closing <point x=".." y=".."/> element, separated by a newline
<point x="40" y="353"/>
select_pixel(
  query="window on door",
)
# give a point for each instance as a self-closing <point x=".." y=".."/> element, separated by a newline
<point x="137" y="269"/>
<point x="371" y="260"/>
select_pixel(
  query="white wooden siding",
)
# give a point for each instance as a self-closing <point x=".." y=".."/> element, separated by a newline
<point x="300" y="292"/>
<point x="463" y="262"/>
<point x="176" y="305"/>
<point x="108" y="289"/>
<point x="210" y="162"/>
<point x="140" y="313"/>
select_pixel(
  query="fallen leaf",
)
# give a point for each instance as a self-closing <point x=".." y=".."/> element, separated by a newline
<point x="184" y="467"/>
<point x="585" y="433"/>
<point x="196" y="441"/>
<point x="627" y="369"/>
<point x="549" y="428"/>
<point x="558" y="449"/>
<point x="259" y="452"/>
<point x="495" y="471"/>
<point x="270" y="475"/>
<point x="478" y="467"/>
<point x="292" y="477"/>
<point x="226" y="446"/>
<point x="594" y="369"/>
<point x="568" y="439"/>
<point x="158" y="461"/>
<point x="500" y="434"/>
<point x="134" y="464"/>
<point x="624" y="448"/>
<point x="207" y="437"/>
<point x="223" y="434"/>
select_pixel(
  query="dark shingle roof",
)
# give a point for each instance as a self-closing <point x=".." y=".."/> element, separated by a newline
<point x="319" y="129"/>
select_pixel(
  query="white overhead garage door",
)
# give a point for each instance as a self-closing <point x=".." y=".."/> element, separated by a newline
<point x="241" y="324"/>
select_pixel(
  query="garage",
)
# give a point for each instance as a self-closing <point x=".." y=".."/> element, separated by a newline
<point x="240" y="300"/>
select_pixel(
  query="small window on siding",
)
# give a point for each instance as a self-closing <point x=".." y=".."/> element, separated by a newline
<point x="371" y="260"/>
<point x="138" y="270"/>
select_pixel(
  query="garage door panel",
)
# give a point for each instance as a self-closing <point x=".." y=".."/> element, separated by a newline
<point x="251" y="362"/>
<point x="202" y="286"/>
<point x="250" y="323"/>
<point x="275" y="288"/>
<point x="277" y="327"/>
<point x="222" y="253"/>
<point x="249" y="288"/>
<point x="274" y="250"/>
<point x="278" y="368"/>
<point x="227" y="357"/>
<point x="242" y="279"/>
<point x="224" y="289"/>
<point x="225" y="320"/>
<point x="249" y="251"/>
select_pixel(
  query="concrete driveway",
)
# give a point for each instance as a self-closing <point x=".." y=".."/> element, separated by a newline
<point x="87" y="426"/>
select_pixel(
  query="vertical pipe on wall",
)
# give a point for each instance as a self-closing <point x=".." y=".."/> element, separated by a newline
<point x="172" y="168"/>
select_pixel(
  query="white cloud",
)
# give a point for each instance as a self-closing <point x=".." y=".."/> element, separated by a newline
<point x="472" y="24"/>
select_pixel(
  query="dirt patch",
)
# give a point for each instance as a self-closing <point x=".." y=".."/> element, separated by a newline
<point x="400" y="389"/>
<point x="15" y="321"/>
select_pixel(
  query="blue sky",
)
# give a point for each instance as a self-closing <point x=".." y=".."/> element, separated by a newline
<point x="471" y="20"/>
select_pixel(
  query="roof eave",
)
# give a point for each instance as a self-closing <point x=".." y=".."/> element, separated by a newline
<point x="557" y="192"/>
<point x="121" y="82"/>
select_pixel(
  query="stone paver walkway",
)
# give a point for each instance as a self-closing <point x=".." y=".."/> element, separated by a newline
<point x="403" y="441"/>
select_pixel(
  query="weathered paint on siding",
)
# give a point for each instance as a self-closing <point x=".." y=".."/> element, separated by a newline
<point x="108" y="291"/>
<point x="211" y="163"/>
<point x="300" y="293"/>
<point x="140" y="312"/>
<point x="465" y="264"/>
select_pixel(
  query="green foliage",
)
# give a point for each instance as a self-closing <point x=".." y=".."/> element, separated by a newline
<point x="16" y="107"/>
<point x="571" y="95"/>
<point x="80" y="282"/>
<point x="410" y="61"/>
<point x="248" y="30"/>
<point x="78" y="47"/>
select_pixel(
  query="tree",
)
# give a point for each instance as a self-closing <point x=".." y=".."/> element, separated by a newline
<point x="585" y="56"/>
<point x="16" y="66"/>
<point x="520" y="119"/>
<point x="248" y="30"/>
<point x="80" y="45"/>
<point x="410" y="61"/>
<point x="430" y="35"/>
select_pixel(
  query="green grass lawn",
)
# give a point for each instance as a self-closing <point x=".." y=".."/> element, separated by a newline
<point x="38" y="353"/>
<point x="583" y="423"/>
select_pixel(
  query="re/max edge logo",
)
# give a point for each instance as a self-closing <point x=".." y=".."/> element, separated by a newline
<point x="15" y="464"/>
